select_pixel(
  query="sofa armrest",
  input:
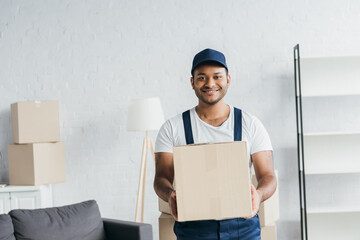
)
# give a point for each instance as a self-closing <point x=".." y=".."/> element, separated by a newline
<point x="118" y="229"/>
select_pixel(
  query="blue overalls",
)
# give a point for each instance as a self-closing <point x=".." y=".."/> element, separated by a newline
<point x="229" y="229"/>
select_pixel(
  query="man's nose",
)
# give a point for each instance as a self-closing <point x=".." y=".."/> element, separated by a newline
<point x="210" y="82"/>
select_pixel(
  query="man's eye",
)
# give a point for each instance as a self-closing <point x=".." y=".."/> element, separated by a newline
<point x="201" y="78"/>
<point x="217" y="77"/>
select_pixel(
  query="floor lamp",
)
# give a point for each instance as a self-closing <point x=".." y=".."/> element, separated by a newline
<point x="144" y="115"/>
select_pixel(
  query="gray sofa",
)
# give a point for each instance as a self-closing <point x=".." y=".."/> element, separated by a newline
<point x="81" y="221"/>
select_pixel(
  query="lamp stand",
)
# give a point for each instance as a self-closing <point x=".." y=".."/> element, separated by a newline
<point x="147" y="143"/>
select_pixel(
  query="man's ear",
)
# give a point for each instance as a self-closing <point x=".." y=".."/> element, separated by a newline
<point x="228" y="80"/>
<point x="192" y="82"/>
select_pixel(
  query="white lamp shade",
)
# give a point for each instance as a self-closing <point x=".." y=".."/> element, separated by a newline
<point x="145" y="114"/>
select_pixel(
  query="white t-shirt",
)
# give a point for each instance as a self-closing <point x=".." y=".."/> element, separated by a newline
<point x="172" y="133"/>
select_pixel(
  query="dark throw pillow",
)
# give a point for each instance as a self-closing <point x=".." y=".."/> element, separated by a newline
<point x="78" y="221"/>
<point x="6" y="228"/>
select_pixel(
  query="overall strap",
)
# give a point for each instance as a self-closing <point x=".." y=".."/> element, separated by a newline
<point x="187" y="127"/>
<point x="237" y="124"/>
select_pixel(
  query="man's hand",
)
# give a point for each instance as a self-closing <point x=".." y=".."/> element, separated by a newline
<point x="173" y="205"/>
<point x="255" y="199"/>
<point x="164" y="178"/>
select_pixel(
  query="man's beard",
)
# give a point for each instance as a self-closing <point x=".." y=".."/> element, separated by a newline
<point x="222" y="95"/>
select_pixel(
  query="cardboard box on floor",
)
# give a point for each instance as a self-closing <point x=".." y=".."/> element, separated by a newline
<point x="36" y="163"/>
<point x="269" y="209"/>
<point x="166" y="227"/>
<point x="164" y="206"/>
<point x="212" y="181"/>
<point x="36" y="121"/>
<point x="268" y="232"/>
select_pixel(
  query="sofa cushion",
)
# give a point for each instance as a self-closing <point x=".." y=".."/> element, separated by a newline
<point x="77" y="221"/>
<point x="6" y="228"/>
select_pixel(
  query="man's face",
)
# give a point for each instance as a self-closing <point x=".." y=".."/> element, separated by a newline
<point x="210" y="83"/>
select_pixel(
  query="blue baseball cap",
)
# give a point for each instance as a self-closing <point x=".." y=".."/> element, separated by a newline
<point x="208" y="55"/>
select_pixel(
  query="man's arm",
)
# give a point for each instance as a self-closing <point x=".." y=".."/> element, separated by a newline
<point x="265" y="175"/>
<point x="164" y="177"/>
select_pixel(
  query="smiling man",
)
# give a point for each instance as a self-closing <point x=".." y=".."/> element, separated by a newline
<point x="212" y="120"/>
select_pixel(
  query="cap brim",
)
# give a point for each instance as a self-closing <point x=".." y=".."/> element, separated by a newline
<point x="209" y="60"/>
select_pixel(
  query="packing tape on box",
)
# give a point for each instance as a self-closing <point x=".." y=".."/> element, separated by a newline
<point x="215" y="206"/>
<point x="210" y="160"/>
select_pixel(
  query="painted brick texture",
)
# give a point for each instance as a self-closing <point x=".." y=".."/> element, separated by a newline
<point x="94" y="56"/>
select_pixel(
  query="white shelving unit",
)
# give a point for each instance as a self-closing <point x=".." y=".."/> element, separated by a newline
<point x="332" y="153"/>
<point x="333" y="76"/>
<point x="333" y="209"/>
<point x="334" y="225"/>
<point x="327" y="153"/>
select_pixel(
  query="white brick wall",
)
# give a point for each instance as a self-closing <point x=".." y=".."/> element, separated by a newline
<point x="94" y="56"/>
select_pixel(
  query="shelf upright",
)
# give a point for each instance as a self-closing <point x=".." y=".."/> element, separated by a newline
<point x="300" y="144"/>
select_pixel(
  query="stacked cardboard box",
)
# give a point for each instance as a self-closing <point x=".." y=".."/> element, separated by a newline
<point x="164" y="206"/>
<point x="166" y="221"/>
<point x="166" y="227"/>
<point x="36" y="156"/>
<point x="268" y="213"/>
